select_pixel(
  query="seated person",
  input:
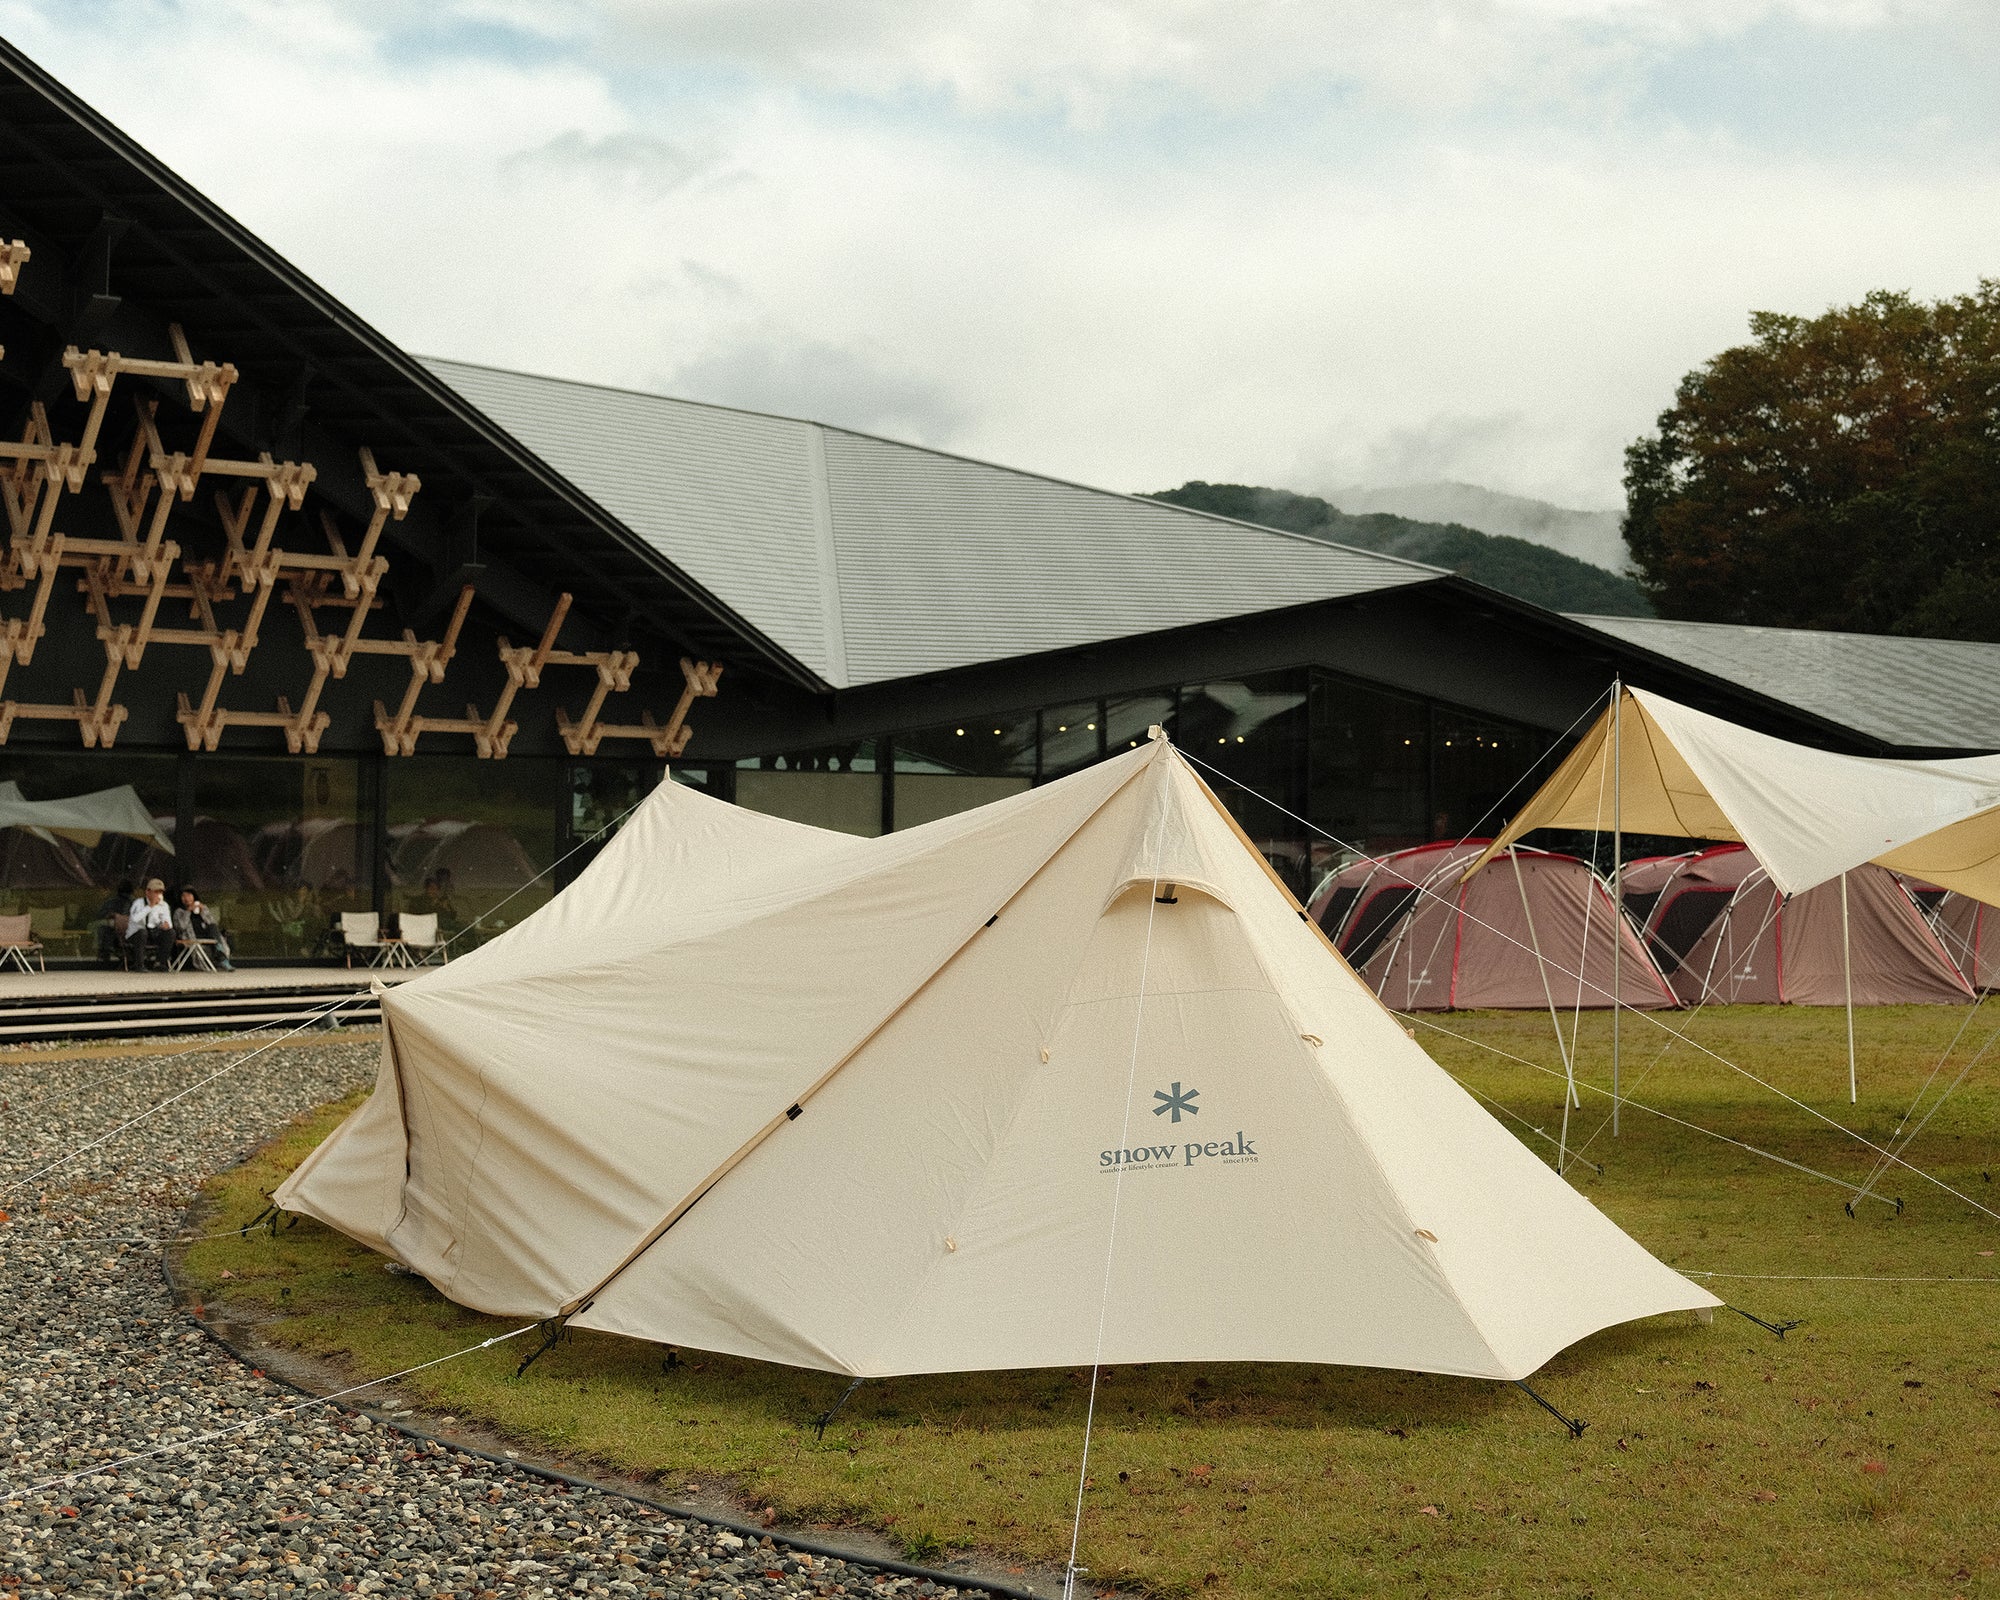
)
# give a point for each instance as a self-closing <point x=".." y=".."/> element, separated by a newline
<point x="192" y="922"/>
<point x="149" y="930"/>
<point x="110" y="924"/>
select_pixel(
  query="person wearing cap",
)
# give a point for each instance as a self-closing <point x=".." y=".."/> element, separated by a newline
<point x="149" y="930"/>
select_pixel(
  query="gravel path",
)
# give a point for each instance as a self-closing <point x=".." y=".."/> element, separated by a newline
<point x="100" y="1366"/>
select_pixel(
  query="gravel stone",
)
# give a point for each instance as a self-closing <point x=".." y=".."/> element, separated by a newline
<point x="102" y="1366"/>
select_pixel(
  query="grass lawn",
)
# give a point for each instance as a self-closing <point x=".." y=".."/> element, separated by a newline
<point x="1859" y="1456"/>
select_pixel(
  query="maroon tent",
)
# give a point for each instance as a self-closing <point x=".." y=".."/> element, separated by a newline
<point x="1512" y="938"/>
<point x="1722" y="932"/>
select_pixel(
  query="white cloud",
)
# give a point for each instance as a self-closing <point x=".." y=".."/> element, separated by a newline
<point x="1130" y="242"/>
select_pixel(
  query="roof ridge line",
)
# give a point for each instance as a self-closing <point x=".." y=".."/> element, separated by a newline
<point x="953" y="455"/>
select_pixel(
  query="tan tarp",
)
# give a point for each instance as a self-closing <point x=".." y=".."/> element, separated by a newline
<point x="1807" y="815"/>
<point x="1534" y="932"/>
<point x="1724" y="935"/>
<point x="862" y="1105"/>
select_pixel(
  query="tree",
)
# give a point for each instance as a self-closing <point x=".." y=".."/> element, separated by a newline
<point x="1840" y="471"/>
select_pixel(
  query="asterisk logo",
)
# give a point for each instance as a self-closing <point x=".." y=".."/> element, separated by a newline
<point x="1178" y="1101"/>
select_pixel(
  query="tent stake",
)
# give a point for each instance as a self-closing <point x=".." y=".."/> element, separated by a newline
<point x="1847" y="974"/>
<point x="1779" y="1328"/>
<point x="820" y="1422"/>
<point x="1576" y="1425"/>
<point x="1617" y="879"/>
<point x="557" y="1326"/>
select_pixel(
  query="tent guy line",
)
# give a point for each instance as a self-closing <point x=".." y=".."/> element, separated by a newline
<point x="1618" y="1007"/>
<point x="1693" y="1016"/>
<point x="1943" y="1056"/>
<point x="16" y="1184"/>
<point x="106" y="1469"/>
<point x="1070" y="1569"/>
<point x="117" y="1074"/>
<point x="1963" y="1073"/>
<point x="1640" y="1105"/>
<point x="1826" y="1277"/>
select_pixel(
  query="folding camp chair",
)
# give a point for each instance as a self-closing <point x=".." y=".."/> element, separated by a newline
<point x="196" y="953"/>
<point x="18" y="944"/>
<point x="418" y="940"/>
<point x="362" y="930"/>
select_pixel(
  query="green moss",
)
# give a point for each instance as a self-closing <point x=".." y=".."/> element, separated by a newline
<point x="1719" y="1460"/>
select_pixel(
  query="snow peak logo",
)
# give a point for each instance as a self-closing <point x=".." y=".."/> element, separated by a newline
<point x="1174" y="1103"/>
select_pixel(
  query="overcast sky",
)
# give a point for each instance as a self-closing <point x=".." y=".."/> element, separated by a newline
<point x="1298" y="242"/>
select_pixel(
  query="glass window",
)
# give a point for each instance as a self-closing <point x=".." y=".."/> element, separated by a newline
<point x="472" y="840"/>
<point x="943" y="770"/>
<point x="1474" y="763"/>
<point x="835" y="786"/>
<point x="1073" y="737"/>
<point x="1254" y="729"/>
<point x="279" y="847"/>
<point x="1370" y="770"/>
<point x="66" y="886"/>
<point x="1126" y="719"/>
<point x="601" y="795"/>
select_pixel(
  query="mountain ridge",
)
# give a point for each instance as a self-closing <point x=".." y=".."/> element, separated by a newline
<point x="1516" y="566"/>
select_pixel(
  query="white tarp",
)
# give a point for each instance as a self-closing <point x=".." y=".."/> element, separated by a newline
<point x="862" y="1105"/>
<point x="84" y="818"/>
<point x="1807" y="815"/>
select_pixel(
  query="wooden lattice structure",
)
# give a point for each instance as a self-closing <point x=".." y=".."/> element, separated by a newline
<point x="492" y="734"/>
<point x="128" y="581"/>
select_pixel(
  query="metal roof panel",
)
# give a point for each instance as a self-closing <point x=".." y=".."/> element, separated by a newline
<point x="1932" y="694"/>
<point x="871" y="560"/>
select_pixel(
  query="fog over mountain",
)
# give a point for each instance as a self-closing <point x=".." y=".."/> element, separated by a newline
<point x="1588" y="535"/>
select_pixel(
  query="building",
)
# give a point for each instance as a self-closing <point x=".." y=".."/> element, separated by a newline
<point x="371" y="631"/>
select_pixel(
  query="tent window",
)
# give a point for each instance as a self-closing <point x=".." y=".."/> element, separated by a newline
<point x="1338" y="904"/>
<point x="1687" y="917"/>
<point x="1378" y="918"/>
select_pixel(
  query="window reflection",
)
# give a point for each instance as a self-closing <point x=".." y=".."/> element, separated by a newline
<point x="62" y="884"/>
<point x="833" y="786"/>
<point x="278" y="848"/>
<point x="1370" y="770"/>
<point x="1254" y="729"/>
<point x="471" y="841"/>
<point x="944" y="770"/>
<point x="1073" y="736"/>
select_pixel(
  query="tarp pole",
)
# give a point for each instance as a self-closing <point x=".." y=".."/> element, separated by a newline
<point x="1617" y="879"/>
<point x="1847" y="974"/>
<point x="1541" y="966"/>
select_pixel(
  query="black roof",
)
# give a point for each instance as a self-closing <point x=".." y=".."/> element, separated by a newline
<point x="71" y="181"/>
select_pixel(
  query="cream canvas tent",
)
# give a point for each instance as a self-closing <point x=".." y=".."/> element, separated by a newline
<point x="1536" y="931"/>
<point x="1725" y="935"/>
<point x="862" y="1105"/>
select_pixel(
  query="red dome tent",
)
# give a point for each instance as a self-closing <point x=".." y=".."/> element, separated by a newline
<point x="1512" y="938"/>
<point x="1723" y="933"/>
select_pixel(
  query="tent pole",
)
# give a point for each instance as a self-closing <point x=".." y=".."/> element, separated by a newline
<point x="1847" y="974"/>
<point x="1617" y="879"/>
<point x="1569" y="1070"/>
